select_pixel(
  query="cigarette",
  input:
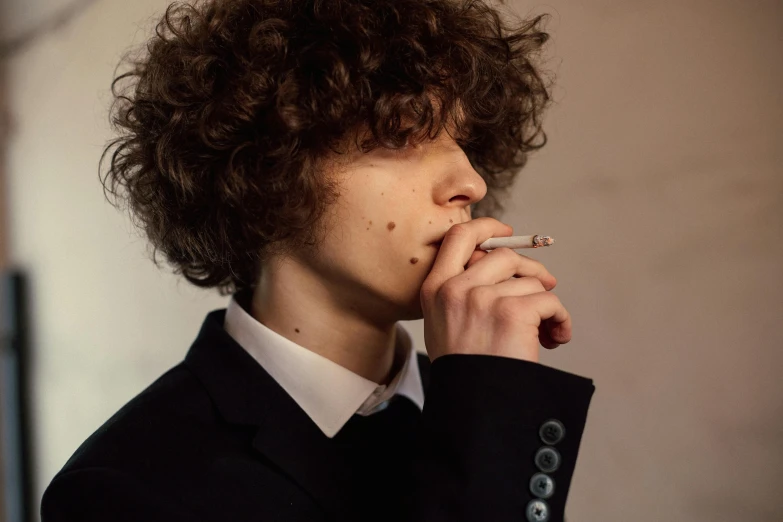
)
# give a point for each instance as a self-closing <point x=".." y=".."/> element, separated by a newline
<point x="534" y="241"/>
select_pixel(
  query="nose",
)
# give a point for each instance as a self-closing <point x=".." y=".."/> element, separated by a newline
<point x="469" y="188"/>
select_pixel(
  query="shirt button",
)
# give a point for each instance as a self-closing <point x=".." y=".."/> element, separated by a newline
<point x="542" y="485"/>
<point x="537" y="511"/>
<point x="547" y="459"/>
<point x="552" y="432"/>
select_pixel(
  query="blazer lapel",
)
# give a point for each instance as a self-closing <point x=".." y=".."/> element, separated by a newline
<point x="246" y="394"/>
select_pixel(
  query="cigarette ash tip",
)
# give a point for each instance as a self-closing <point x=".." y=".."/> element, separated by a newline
<point x="542" y="241"/>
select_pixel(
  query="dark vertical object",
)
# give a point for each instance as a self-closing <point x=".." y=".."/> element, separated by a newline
<point x="16" y="439"/>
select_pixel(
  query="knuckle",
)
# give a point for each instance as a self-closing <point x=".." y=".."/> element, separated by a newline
<point x="427" y="291"/>
<point x="451" y="293"/>
<point x="508" y="309"/>
<point x="480" y="297"/>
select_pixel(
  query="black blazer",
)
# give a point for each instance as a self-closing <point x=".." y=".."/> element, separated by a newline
<point x="215" y="438"/>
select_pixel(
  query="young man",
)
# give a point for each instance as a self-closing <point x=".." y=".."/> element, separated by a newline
<point x="333" y="164"/>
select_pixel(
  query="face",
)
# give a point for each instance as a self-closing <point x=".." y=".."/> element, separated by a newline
<point x="376" y="252"/>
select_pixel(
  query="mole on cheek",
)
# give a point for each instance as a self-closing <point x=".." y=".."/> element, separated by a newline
<point x="297" y="330"/>
<point x="391" y="225"/>
<point x="414" y="260"/>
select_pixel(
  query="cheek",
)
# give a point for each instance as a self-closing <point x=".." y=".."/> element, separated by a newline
<point x="384" y="239"/>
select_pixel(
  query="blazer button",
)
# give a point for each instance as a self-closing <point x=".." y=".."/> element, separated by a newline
<point x="552" y="432"/>
<point x="547" y="459"/>
<point x="542" y="485"/>
<point x="537" y="511"/>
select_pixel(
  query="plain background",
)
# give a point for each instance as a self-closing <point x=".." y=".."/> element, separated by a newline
<point x="661" y="182"/>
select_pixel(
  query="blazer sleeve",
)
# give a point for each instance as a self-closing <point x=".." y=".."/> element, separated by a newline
<point x="101" y="494"/>
<point x="493" y="429"/>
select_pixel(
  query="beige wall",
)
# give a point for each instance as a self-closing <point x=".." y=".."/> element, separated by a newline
<point x="661" y="183"/>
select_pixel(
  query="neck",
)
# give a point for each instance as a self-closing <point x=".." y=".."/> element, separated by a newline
<point x="296" y="304"/>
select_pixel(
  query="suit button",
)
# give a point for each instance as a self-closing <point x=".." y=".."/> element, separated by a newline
<point x="547" y="459"/>
<point x="552" y="432"/>
<point x="542" y="485"/>
<point x="537" y="511"/>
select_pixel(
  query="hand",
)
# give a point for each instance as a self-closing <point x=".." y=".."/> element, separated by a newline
<point x="492" y="303"/>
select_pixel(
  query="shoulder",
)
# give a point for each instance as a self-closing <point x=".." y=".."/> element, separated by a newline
<point x="170" y="455"/>
<point x="117" y="472"/>
<point x="153" y="427"/>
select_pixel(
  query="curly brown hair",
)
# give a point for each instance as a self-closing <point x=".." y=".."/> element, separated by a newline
<point x="227" y="113"/>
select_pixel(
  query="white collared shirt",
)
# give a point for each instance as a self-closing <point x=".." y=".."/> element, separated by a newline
<point x="329" y="393"/>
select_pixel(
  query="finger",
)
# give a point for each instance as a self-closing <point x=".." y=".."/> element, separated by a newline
<point x="514" y="286"/>
<point x="501" y="264"/>
<point x="559" y="332"/>
<point x="458" y="246"/>
<point x="545" y="338"/>
<point x="543" y="307"/>
<point x="477" y="254"/>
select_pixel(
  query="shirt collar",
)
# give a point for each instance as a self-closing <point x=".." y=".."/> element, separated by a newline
<point x="327" y="392"/>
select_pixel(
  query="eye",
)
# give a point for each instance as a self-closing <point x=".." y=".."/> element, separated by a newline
<point x="404" y="151"/>
<point x="387" y="152"/>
